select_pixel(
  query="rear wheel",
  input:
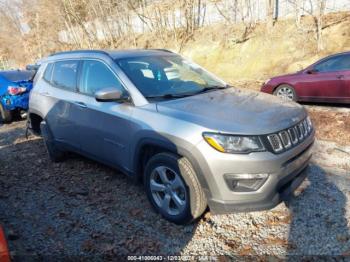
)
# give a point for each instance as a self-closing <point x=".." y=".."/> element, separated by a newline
<point x="286" y="92"/>
<point x="55" y="154"/>
<point x="173" y="188"/>
<point x="5" y="115"/>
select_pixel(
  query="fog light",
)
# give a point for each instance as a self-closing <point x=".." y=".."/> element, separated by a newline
<point x="245" y="182"/>
<point x="8" y="102"/>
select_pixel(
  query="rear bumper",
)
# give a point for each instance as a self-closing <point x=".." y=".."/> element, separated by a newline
<point x="15" y="102"/>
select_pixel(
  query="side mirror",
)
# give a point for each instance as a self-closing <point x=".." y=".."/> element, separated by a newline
<point x="311" y="71"/>
<point x="111" y="94"/>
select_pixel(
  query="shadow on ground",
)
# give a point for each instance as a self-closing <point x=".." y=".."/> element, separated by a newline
<point x="319" y="225"/>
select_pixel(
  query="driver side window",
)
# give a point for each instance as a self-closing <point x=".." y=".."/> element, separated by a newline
<point x="337" y="63"/>
<point x="95" y="76"/>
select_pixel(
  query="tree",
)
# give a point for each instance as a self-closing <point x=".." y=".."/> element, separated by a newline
<point x="270" y="13"/>
<point x="318" y="18"/>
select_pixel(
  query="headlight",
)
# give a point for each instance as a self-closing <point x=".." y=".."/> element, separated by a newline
<point x="234" y="144"/>
<point x="268" y="80"/>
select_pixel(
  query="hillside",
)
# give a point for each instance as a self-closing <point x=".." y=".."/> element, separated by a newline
<point x="264" y="52"/>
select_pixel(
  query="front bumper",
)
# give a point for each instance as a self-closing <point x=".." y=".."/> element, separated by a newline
<point x="267" y="88"/>
<point x="286" y="173"/>
<point x="282" y="191"/>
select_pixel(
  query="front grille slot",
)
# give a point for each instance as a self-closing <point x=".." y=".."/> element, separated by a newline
<point x="285" y="139"/>
<point x="301" y="131"/>
<point x="293" y="135"/>
<point x="275" y="142"/>
<point x="305" y="128"/>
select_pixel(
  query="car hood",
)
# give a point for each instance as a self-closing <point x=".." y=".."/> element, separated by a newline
<point x="235" y="111"/>
<point x="286" y="76"/>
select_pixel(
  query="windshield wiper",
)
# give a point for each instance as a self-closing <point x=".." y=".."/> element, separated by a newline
<point x="203" y="90"/>
<point x="168" y="96"/>
<point x="209" y="88"/>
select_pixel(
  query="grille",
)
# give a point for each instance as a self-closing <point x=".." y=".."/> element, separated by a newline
<point x="287" y="139"/>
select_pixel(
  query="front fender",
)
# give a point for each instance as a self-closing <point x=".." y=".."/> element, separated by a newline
<point x="172" y="144"/>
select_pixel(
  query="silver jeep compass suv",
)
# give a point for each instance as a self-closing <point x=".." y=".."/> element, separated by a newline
<point x="193" y="140"/>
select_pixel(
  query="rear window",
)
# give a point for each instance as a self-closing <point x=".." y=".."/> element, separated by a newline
<point x="17" y="75"/>
<point x="65" y="74"/>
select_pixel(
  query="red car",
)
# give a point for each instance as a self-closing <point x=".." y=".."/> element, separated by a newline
<point x="4" y="251"/>
<point x="327" y="80"/>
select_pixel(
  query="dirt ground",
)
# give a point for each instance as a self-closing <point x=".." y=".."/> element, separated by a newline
<point x="332" y="125"/>
<point x="82" y="209"/>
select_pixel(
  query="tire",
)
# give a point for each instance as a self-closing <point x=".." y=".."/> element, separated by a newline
<point x="55" y="154"/>
<point x="286" y="92"/>
<point x="5" y="115"/>
<point x="185" y="188"/>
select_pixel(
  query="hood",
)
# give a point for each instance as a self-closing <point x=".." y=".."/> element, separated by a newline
<point x="235" y="111"/>
<point x="286" y="75"/>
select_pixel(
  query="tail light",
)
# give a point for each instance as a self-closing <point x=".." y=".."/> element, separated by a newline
<point x="16" y="90"/>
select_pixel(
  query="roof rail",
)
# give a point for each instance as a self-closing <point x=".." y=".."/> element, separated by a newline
<point x="162" y="49"/>
<point x="80" y="51"/>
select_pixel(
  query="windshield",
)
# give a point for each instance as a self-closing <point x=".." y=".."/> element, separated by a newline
<point x="160" y="76"/>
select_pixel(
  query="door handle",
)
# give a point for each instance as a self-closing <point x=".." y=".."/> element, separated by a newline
<point x="80" y="104"/>
<point x="340" y="76"/>
<point x="45" y="93"/>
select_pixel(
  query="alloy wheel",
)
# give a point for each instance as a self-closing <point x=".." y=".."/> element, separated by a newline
<point x="286" y="93"/>
<point x="168" y="190"/>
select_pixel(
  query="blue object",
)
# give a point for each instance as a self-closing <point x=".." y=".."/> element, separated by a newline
<point x="15" y="79"/>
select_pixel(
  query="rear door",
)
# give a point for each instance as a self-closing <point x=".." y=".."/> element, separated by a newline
<point x="104" y="126"/>
<point x="61" y="96"/>
<point x="344" y="75"/>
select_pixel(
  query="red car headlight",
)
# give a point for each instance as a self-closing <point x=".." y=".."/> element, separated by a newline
<point x="268" y="80"/>
<point x="16" y="90"/>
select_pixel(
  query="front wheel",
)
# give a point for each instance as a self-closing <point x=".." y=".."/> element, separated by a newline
<point x="286" y="92"/>
<point x="5" y="115"/>
<point x="173" y="188"/>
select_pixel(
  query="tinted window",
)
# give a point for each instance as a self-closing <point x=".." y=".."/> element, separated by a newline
<point x="17" y="75"/>
<point x="48" y="72"/>
<point x="65" y="74"/>
<point x="337" y="63"/>
<point x="96" y="75"/>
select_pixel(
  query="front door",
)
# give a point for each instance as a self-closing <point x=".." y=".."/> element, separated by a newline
<point x="327" y="80"/>
<point x="104" y="126"/>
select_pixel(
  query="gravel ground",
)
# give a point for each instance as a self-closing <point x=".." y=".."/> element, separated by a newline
<point x="80" y="207"/>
